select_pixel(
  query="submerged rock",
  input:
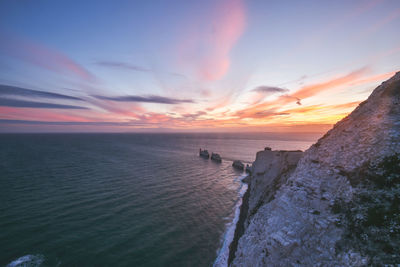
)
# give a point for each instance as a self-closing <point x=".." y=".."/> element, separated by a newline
<point x="237" y="164"/>
<point x="340" y="205"/>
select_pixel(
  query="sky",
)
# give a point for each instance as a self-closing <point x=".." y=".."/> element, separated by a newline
<point x="184" y="66"/>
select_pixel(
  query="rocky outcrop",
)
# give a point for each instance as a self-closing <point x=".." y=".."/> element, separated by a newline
<point x="340" y="206"/>
<point x="270" y="170"/>
<point x="237" y="164"/>
<point x="216" y="157"/>
<point x="248" y="169"/>
<point x="204" y="154"/>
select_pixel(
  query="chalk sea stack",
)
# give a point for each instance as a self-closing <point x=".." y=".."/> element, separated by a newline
<point x="216" y="157"/>
<point x="340" y="205"/>
<point x="204" y="154"/>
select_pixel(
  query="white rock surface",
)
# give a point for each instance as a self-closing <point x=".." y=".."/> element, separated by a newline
<point x="270" y="170"/>
<point x="297" y="227"/>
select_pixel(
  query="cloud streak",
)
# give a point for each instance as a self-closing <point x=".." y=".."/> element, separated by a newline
<point x="269" y="89"/>
<point x="19" y="91"/>
<point x="42" y="56"/>
<point x="6" y="102"/>
<point x="121" y="65"/>
<point x="82" y="123"/>
<point x="309" y="91"/>
<point x="145" y="99"/>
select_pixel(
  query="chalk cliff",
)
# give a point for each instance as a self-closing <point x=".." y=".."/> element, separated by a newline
<point x="270" y="170"/>
<point x="341" y="205"/>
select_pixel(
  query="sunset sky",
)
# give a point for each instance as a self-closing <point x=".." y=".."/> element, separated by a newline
<point x="226" y="65"/>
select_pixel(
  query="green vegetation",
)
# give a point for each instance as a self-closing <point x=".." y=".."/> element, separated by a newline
<point x="372" y="219"/>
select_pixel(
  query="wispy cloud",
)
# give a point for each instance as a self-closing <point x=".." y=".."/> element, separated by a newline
<point x="19" y="91"/>
<point x="145" y="99"/>
<point x="267" y="114"/>
<point x="42" y="56"/>
<point x="207" y="48"/>
<point x="195" y="115"/>
<point x="132" y="67"/>
<point x="47" y="114"/>
<point x="311" y="90"/>
<point x="121" y="65"/>
<point x="269" y="89"/>
<point x="264" y="91"/>
<point x="6" y="102"/>
<point x="83" y="123"/>
<point x="306" y="92"/>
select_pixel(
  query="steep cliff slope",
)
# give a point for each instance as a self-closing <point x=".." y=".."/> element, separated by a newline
<point x="270" y="170"/>
<point x="340" y="207"/>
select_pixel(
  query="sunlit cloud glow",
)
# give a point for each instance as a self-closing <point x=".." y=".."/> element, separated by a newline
<point x="224" y="65"/>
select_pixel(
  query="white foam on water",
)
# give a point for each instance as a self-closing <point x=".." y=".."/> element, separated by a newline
<point x="223" y="255"/>
<point x="27" y="261"/>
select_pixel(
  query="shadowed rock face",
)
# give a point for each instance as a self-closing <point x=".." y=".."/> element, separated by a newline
<point x="270" y="170"/>
<point x="302" y="224"/>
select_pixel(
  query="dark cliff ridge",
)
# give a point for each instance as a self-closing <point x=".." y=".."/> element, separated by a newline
<point x="341" y="205"/>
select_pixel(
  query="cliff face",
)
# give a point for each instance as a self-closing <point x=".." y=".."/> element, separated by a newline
<point x="270" y="170"/>
<point x="340" y="206"/>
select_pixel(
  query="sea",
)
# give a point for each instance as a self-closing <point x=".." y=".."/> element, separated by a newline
<point x="124" y="199"/>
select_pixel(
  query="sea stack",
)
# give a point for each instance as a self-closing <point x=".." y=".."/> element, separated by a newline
<point x="216" y="157"/>
<point x="340" y="206"/>
<point x="204" y="154"/>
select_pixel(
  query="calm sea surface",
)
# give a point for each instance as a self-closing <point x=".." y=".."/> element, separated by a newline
<point x="121" y="199"/>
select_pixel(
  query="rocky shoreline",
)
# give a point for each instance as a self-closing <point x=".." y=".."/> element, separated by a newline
<point x="337" y="204"/>
<point x="239" y="229"/>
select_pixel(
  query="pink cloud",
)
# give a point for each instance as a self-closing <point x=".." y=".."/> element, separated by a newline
<point x="38" y="114"/>
<point x="43" y="56"/>
<point x="210" y="42"/>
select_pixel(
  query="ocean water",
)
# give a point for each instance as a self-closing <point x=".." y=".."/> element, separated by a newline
<point x="122" y="199"/>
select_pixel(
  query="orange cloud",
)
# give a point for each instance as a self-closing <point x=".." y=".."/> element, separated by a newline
<point x="356" y="77"/>
<point x="311" y="90"/>
<point x="374" y="78"/>
<point x="38" y="114"/>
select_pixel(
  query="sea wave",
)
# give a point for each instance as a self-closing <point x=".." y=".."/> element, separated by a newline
<point x="27" y="261"/>
<point x="223" y="254"/>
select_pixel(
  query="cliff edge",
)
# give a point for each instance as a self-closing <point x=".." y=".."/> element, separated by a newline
<point x="341" y="204"/>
